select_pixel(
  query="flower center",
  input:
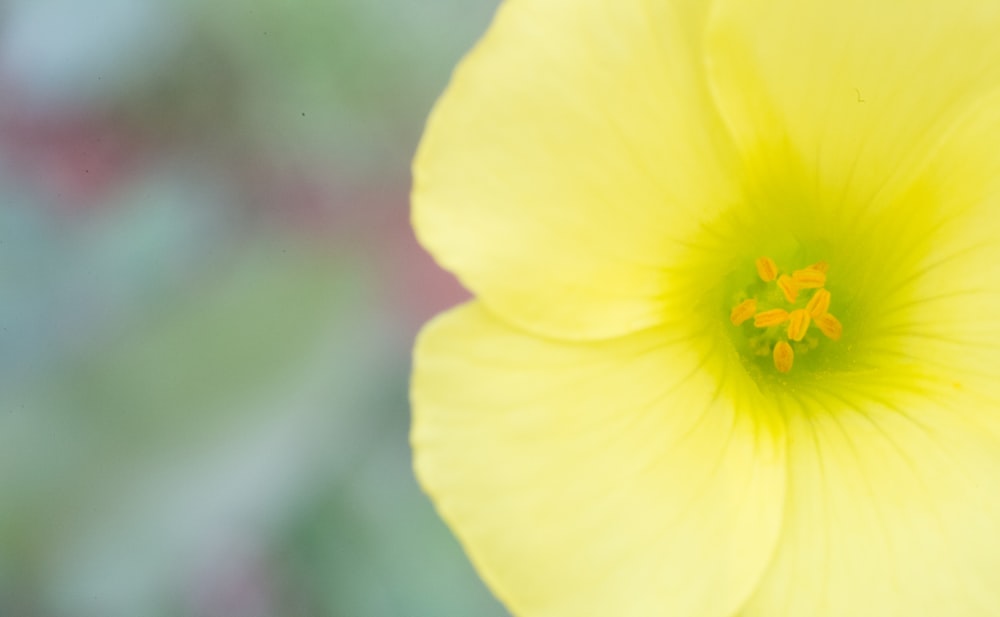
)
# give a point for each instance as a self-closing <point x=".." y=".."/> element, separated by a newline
<point x="782" y="307"/>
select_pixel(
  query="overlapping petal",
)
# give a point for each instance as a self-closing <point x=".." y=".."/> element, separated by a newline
<point x="570" y="159"/>
<point x="945" y="312"/>
<point x="626" y="478"/>
<point x="893" y="505"/>
<point x="840" y="104"/>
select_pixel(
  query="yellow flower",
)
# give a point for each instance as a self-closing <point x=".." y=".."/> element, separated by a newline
<point x="626" y="185"/>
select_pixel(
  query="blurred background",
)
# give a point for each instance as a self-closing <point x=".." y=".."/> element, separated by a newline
<point x="208" y="295"/>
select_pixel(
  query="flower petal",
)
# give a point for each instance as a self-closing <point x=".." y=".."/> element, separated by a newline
<point x="573" y="154"/>
<point x="944" y="312"/>
<point x="631" y="477"/>
<point x="847" y="99"/>
<point x="893" y="507"/>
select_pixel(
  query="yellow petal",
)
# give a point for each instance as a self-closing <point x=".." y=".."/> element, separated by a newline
<point x="944" y="312"/>
<point x="837" y="105"/>
<point x="570" y="160"/>
<point x="892" y="511"/>
<point x="628" y="477"/>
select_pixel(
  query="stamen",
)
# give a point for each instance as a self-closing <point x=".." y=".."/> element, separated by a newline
<point x="743" y="311"/>
<point x="809" y="278"/>
<point x="819" y="303"/>
<point x="766" y="269"/>
<point x="798" y="324"/>
<point x="770" y="318"/>
<point x="780" y="327"/>
<point x="789" y="288"/>
<point x="830" y="326"/>
<point x="784" y="357"/>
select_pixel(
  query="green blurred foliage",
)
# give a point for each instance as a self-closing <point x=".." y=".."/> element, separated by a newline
<point x="203" y="398"/>
<point x="344" y="80"/>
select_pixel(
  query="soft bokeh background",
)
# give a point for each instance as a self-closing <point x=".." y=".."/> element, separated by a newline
<point x="208" y="295"/>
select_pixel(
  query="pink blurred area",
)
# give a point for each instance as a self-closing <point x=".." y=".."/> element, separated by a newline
<point x="79" y="160"/>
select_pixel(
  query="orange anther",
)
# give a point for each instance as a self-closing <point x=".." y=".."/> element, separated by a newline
<point x="830" y="326"/>
<point x="798" y="324"/>
<point x="770" y="318"/>
<point x="809" y="278"/>
<point x="743" y="311"/>
<point x="766" y="269"/>
<point x="784" y="357"/>
<point x="788" y="287"/>
<point x="819" y="303"/>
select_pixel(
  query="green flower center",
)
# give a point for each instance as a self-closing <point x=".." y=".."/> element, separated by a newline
<point x="780" y="313"/>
